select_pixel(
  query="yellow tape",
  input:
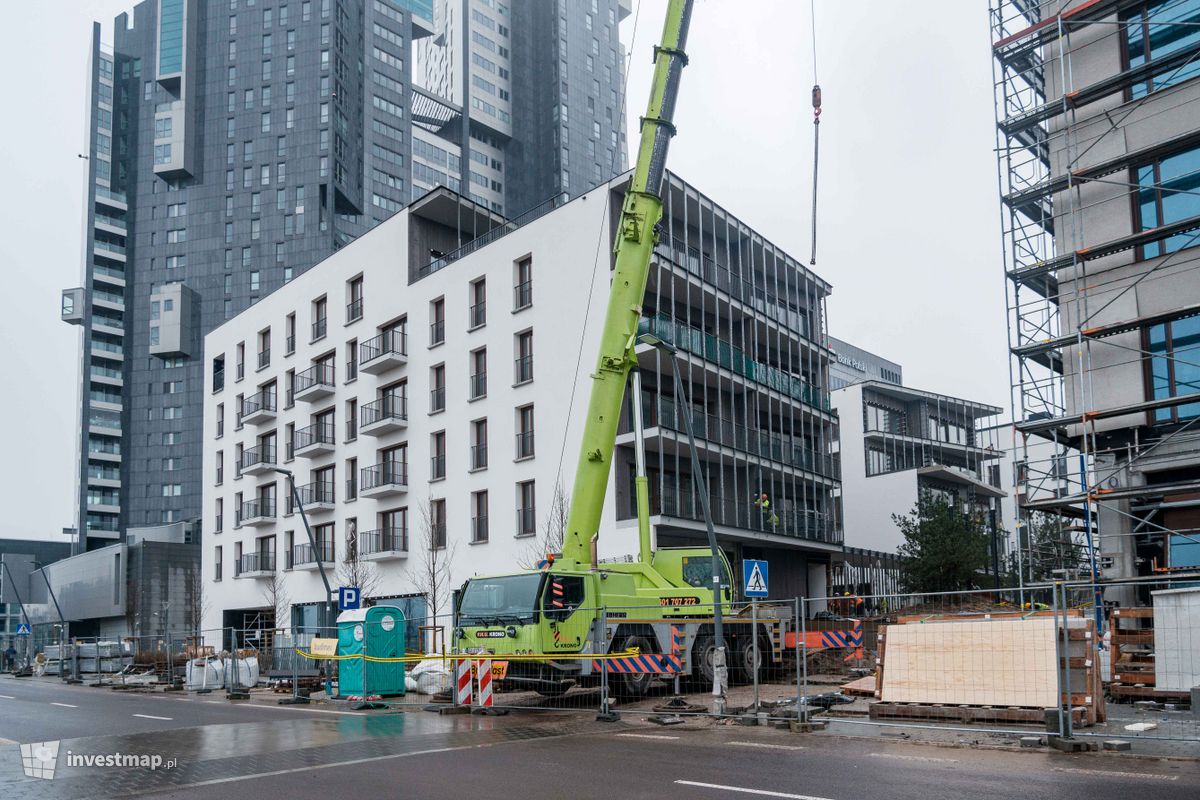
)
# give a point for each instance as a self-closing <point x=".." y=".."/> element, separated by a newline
<point x="633" y="651"/>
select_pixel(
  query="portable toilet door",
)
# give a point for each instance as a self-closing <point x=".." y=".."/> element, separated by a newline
<point x="384" y="638"/>
<point x="351" y="637"/>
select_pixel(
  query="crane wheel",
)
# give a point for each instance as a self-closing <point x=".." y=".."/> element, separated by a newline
<point x="748" y="659"/>
<point x="634" y="685"/>
<point x="703" y="651"/>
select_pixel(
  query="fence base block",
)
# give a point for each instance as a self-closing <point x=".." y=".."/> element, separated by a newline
<point x="1070" y="745"/>
<point x="608" y="716"/>
<point x="944" y="713"/>
<point x="446" y="710"/>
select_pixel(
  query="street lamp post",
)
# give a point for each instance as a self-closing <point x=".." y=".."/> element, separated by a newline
<point x="329" y="601"/>
<point x="681" y="399"/>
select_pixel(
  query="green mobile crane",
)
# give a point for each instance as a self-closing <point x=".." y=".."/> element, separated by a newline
<point x="667" y="604"/>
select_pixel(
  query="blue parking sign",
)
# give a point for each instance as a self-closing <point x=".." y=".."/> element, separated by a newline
<point x="349" y="598"/>
<point x="754" y="578"/>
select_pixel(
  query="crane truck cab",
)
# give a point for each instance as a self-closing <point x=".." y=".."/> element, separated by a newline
<point x="574" y="609"/>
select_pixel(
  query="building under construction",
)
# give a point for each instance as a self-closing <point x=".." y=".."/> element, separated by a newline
<point x="1098" y="140"/>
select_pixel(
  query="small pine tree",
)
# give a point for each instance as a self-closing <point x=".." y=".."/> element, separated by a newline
<point x="944" y="549"/>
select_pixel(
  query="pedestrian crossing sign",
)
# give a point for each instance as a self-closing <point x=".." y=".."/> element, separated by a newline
<point x="754" y="577"/>
<point x="23" y="629"/>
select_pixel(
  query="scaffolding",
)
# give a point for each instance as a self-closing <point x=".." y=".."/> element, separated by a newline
<point x="1075" y="102"/>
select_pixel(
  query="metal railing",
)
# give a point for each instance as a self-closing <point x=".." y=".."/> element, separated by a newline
<point x="523" y="369"/>
<point x="478" y="385"/>
<point x="437" y="332"/>
<point x="218" y="376"/>
<point x="437" y="466"/>
<point x="478" y="315"/>
<point x="259" y="401"/>
<point x="525" y="217"/>
<point x="479" y="456"/>
<point x="390" y="406"/>
<point x="290" y="344"/>
<point x="743" y="513"/>
<point x="316" y="375"/>
<point x="351" y="370"/>
<point x="264" y="359"/>
<point x="390" y="341"/>
<point x="317" y="492"/>
<point x="253" y="456"/>
<point x="317" y="433"/>
<point x="352" y="487"/>
<point x="386" y="473"/>
<point x="307" y="554"/>
<point x="479" y="529"/>
<point x="354" y="310"/>
<point x="319" y="328"/>
<point x="255" y="562"/>
<point x="526" y="521"/>
<point x="256" y="509"/>
<point x="437" y="399"/>
<point x="522" y="295"/>
<point x="524" y="446"/>
<point x="351" y="427"/>
<point x="383" y="540"/>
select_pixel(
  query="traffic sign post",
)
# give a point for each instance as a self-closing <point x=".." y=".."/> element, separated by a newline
<point x="349" y="598"/>
<point x="754" y="578"/>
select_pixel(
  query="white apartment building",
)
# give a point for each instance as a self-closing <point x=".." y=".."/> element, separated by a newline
<point x="437" y="369"/>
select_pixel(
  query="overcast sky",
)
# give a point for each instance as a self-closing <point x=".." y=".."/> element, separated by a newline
<point x="909" y="224"/>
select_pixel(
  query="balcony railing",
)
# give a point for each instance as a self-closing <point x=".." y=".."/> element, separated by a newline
<point x="522" y="295"/>
<point x="386" y="473"/>
<point x="437" y="332"/>
<point x="479" y="456"/>
<point x="737" y="512"/>
<point x="352" y="488"/>
<point x="264" y="359"/>
<point x="319" y="328"/>
<point x="257" y="402"/>
<point x="352" y="428"/>
<point x="478" y="314"/>
<point x="315" y="434"/>
<point x="303" y="554"/>
<point x="263" y="455"/>
<point x="479" y="529"/>
<point x="383" y="540"/>
<point x="389" y="407"/>
<point x="698" y="343"/>
<point x="526" y="521"/>
<point x="289" y="344"/>
<point x="437" y="467"/>
<point x="354" y="310"/>
<point x="478" y="385"/>
<point x="316" y="375"/>
<point x="263" y="507"/>
<point x="523" y="369"/>
<point x="312" y="494"/>
<point x="256" y="562"/>
<point x="218" y="376"/>
<point x="390" y="342"/>
<point x="524" y="446"/>
<point x="351" y="370"/>
<point x="437" y="399"/>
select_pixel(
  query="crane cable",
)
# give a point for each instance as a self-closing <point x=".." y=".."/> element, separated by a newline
<point x="816" y="103"/>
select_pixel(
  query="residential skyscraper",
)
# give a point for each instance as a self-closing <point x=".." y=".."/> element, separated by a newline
<point x="234" y="144"/>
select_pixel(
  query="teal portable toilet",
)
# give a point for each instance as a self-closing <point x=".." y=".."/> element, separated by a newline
<point x="378" y="632"/>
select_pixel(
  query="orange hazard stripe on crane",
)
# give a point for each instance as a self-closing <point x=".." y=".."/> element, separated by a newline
<point x="645" y="664"/>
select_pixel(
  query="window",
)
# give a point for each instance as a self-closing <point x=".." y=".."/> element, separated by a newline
<point x="437" y="514"/>
<point x="264" y="341"/>
<point x="524" y="361"/>
<point x="320" y="310"/>
<point x="479" y="444"/>
<point x="351" y="419"/>
<point x="478" y="300"/>
<point x="354" y="309"/>
<point x="1155" y="31"/>
<point x="524" y="448"/>
<point x="220" y="467"/>
<point x="478" y="374"/>
<point x="437" y="322"/>
<point x="479" y="517"/>
<point x="1169" y="191"/>
<point x="351" y="479"/>
<point x="1174" y="349"/>
<point x="217" y="558"/>
<point x="526" y="513"/>
<point x="437" y="388"/>
<point x="290" y="332"/>
<point x="351" y="360"/>
<point x="220" y="420"/>
<point x="437" y="456"/>
<point x="523" y="286"/>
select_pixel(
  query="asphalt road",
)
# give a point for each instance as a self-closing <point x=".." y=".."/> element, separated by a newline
<point x="265" y="751"/>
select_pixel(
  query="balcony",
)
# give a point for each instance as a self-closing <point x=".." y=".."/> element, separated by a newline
<point x="258" y="408"/>
<point x="386" y="351"/>
<point x="385" y="544"/>
<point x="387" y="414"/>
<point x="257" y="512"/>
<point x="258" y="460"/>
<point x="384" y="480"/>
<point x="314" y="383"/>
<point x="316" y="497"/>
<point x="255" y="565"/>
<point x="305" y="556"/>
<point x="315" y="440"/>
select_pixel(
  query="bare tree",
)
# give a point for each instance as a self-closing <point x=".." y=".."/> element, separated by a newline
<point x="552" y="531"/>
<point x="354" y="570"/>
<point x="198" y="603"/>
<point x="276" y="597"/>
<point x="431" y="567"/>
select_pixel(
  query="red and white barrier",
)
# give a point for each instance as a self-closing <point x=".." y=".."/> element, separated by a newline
<point x="462" y="682"/>
<point x="484" y="668"/>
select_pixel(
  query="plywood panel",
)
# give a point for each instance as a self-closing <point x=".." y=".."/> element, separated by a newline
<point x="996" y="662"/>
<point x="1176" y="639"/>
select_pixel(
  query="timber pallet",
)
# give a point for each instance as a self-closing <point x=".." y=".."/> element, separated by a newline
<point x="931" y="712"/>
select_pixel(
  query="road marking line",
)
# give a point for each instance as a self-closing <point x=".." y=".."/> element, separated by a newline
<point x="284" y="708"/>
<point x="64" y="705"/>
<point x="744" y="790"/>
<point x="7" y="697"/>
<point x="1114" y="774"/>
<point x="646" y="736"/>
<point x="151" y="716"/>
<point x="768" y="745"/>
<point x="914" y="758"/>
<point x="7" y="741"/>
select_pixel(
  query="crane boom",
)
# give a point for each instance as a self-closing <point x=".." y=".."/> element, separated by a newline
<point x="635" y="240"/>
